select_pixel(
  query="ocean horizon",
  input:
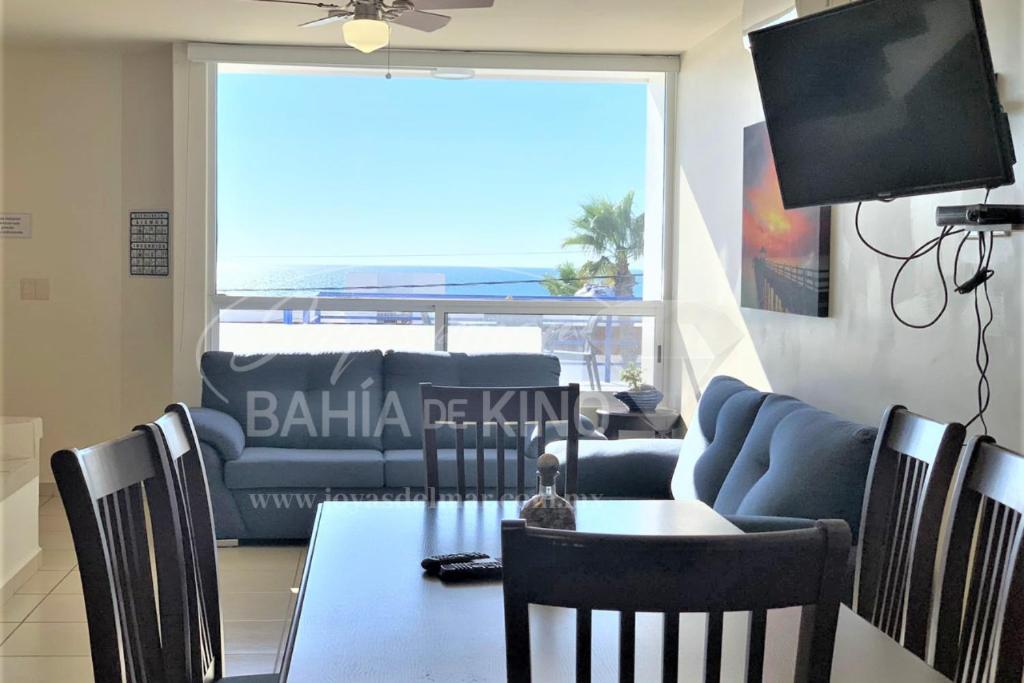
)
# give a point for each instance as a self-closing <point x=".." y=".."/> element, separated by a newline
<point x="309" y="278"/>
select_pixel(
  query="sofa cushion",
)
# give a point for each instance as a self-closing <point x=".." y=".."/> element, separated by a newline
<point x="714" y="396"/>
<point x="730" y="430"/>
<point x="405" y="468"/>
<point x="752" y="461"/>
<point x="509" y="370"/>
<point x="624" y="468"/>
<point x="402" y="417"/>
<point x="818" y="467"/>
<point x="279" y="468"/>
<point x="330" y="400"/>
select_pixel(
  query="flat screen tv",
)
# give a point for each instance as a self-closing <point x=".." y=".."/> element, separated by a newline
<point x="881" y="99"/>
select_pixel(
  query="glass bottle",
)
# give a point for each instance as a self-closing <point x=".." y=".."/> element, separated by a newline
<point x="547" y="509"/>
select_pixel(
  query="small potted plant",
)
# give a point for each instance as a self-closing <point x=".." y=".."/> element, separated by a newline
<point x="640" y="397"/>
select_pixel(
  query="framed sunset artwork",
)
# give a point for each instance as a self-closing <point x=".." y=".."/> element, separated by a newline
<point x="785" y="253"/>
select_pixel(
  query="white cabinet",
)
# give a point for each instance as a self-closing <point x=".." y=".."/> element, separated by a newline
<point x="19" y="500"/>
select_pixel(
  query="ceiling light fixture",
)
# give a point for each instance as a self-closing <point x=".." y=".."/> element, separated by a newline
<point x="366" y="31"/>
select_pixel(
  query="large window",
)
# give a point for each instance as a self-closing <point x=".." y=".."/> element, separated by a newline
<point x="510" y="211"/>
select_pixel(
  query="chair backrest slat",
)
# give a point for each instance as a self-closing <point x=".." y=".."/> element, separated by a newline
<point x="755" y="645"/>
<point x="102" y="490"/>
<point x="584" y="628"/>
<point x="191" y="493"/>
<point x="479" y="456"/>
<point x="671" y="575"/>
<point x="460" y="457"/>
<point x="713" y="648"/>
<point x="504" y="410"/>
<point x="912" y="466"/>
<point x="978" y="616"/>
<point x="627" y="646"/>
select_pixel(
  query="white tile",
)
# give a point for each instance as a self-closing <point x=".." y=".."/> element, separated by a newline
<point x="54" y="523"/>
<point x="53" y="559"/>
<point x="72" y="584"/>
<point x="246" y="665"/>
<point x="255" y="581"/>
<point x="47" y="640"/>
<point x="263" y="558"/>
<point x="253" y="637"/>
<point x="59" y="608"/>
<point x="256" y="606"/>
<point x="52" y="507"/>
<point x="18" y="606"/>
<point x="42" y="582"/>
<point x="56" y="539"/>
<point x="46" y="669"/>
<point x="7" y="629"/>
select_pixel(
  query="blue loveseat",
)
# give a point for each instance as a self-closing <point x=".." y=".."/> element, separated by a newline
<point x="280" y="433"/>
<point x="766" y="461"/>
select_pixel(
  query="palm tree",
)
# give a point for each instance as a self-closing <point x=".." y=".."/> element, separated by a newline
<point x="568" y="281"/>
<point x="611" y="235"/>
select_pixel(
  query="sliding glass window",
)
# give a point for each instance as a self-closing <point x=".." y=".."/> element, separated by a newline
<point x="507" y="210"/>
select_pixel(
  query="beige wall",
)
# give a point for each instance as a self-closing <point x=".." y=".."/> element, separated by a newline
<point x="859" y="359"/>
<point x="86" y="137"/>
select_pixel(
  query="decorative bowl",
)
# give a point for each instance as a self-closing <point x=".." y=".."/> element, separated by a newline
<point x="645" y="400"/>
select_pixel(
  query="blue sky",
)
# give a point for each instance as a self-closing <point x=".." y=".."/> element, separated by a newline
<point x="421" y="171"/>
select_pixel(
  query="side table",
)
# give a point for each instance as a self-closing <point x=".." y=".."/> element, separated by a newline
<point x="661" y="422"/>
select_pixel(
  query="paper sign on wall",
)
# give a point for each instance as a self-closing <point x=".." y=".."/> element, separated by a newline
<point x="150" y="236"/>
<point x="16" y="225"/>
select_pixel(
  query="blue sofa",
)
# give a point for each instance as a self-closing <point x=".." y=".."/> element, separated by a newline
<point x="766" y="461"/>
<point x="281" y="433"/>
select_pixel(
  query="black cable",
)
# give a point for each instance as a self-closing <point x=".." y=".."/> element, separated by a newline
<point x="982" y="357"/>
<point x="978" y="281"/>
<point x="934" y="244"/>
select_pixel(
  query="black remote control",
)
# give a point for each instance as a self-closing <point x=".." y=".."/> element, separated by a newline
<point x="481" y="570"/>
<point x="432" y="564"/>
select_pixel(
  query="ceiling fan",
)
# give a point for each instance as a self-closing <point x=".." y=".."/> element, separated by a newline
<point x="367" y="22"/>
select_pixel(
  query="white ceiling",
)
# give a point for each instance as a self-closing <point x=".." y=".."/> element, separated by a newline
<point x="608" y="26"/>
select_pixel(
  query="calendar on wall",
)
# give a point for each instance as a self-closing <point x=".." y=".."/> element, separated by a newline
<point x="150" y="243"/>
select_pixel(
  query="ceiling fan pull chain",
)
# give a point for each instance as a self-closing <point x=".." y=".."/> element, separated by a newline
<point x="387" y="75"/>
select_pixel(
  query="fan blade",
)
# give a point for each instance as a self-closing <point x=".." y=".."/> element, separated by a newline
<point x="329" y="19"/>
<point x="422" y="21"/>
<point x="322" y="5"/>
<point x="452" y="4"/>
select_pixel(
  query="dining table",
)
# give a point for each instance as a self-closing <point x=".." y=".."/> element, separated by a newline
<point x="367" y="612"/>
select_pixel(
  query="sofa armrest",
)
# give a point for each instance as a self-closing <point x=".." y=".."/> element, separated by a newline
<point x="558" y="431"/>
<point x="628" y="468"/>
<point x="753" y="524"/>
<point x="219" y="430"/>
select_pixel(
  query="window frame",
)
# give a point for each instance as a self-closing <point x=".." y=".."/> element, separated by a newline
<point x="659" y="71"/>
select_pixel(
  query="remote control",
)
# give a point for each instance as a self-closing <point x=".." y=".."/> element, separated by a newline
<point x="481" y="570"/>
<point x="432" y="564"/>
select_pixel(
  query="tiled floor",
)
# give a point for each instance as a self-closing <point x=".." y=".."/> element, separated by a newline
<point x="44" y="638"/>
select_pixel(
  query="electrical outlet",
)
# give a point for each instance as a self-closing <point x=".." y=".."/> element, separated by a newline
<point x="35" y="289"/>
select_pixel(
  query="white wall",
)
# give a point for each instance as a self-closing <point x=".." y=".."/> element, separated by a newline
<point x="86" y="138"/>
<point x="858" y="360"/>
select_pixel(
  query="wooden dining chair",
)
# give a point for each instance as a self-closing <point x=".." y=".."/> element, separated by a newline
<point x="911" y="471"/>
<point x="978" y="621"/>
<point x="199" y="615"/>
<point x="672" y="575"/>
<point x="512" y="411"/>
<point x="103" y="488"/>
